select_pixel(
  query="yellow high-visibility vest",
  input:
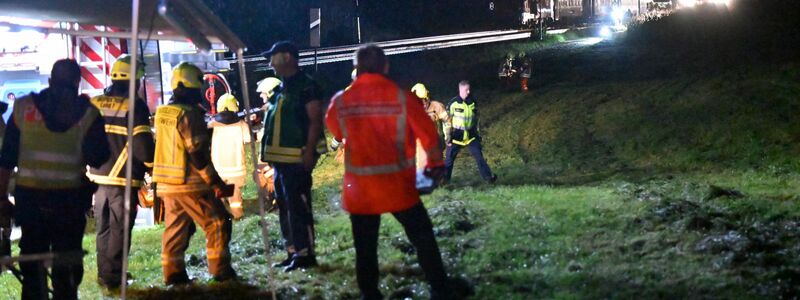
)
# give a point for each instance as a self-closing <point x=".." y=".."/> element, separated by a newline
<point x="48" y="159"/>
<point x="462" y="115"/>
<point x="169" y="163"/>
<point x="171" y="169"/>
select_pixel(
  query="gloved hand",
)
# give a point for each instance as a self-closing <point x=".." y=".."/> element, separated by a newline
<point x="436" y="173"/>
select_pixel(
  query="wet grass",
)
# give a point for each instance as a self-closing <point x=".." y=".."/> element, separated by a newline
<point x="694" y="235"/>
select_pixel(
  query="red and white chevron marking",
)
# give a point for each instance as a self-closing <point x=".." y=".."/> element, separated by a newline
<point x="96" y="60"/>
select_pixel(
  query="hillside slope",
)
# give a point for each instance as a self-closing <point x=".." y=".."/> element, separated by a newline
<point x="628" y="104"/>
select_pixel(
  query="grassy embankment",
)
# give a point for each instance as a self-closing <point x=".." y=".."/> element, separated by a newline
<point x="637" y="168"/>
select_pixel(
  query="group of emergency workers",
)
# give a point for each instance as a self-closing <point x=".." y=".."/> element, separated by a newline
<point x="516" y="67"/>
<point x="388" y="136"/>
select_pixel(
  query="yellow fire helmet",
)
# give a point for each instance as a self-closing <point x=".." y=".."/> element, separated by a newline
<point x="420" y="90"/>
<point x="121" y="69"/>
<point x="267" y="85"/>
<point x="227" y="102"/>
<point x="187" y="74"/>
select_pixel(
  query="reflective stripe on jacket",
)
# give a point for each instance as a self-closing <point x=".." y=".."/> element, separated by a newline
<point x="115" y="113"/>
<point x="379" y="124"/>
<point x="286" y="121"/>
<point x="176" y="135"/>
<point x="169" y="163"/>
<point x="462" y="116"/>
<point x="47" y="159"/>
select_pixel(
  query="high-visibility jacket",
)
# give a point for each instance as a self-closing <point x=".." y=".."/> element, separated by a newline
<point x="286" y="122"/>
<point x="463" y="120"/>
<point x="180" y="130"/>
<point x="379" y="124"/>
<point x="227" y="150"/>
<point x="115" y="113"/>
<point x="48" y="159"/>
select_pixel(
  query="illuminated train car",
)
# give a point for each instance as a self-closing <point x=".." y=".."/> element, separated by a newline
<point x="578" y="10"/>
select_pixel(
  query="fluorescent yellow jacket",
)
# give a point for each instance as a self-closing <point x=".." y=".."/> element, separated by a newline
<point x="48" y="159"/>
<point x="462" y="114"/>
<point x="180" y="130"/>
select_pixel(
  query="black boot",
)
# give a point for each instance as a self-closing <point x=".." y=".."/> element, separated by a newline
<point x="301" y="262"/>
<point x="284" y="263"/>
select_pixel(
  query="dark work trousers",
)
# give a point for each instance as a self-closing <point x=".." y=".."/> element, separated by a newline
<point x="109" y="211"/>
<point x="419" y="230"/>
<point x="51" y="221"/>
<point x="293" y="191"/>
<point x="476" y="151"/>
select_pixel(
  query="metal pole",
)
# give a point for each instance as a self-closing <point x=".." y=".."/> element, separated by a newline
<point x="129" y="164"/>
<point x="262" y="221"/>
<point x="358" y="22"/>
<point x="160" y="76"/>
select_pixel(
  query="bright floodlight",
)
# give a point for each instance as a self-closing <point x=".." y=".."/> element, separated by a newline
<point x="688" y="3"/>
<point x="605" y="31"/>
<point x="617" y="13"/>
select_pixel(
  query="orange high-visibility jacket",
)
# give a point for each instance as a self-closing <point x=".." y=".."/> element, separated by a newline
<point x="379" y="124"/>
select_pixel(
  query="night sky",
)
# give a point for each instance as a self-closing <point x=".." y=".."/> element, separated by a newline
<point x="260" y="23"/>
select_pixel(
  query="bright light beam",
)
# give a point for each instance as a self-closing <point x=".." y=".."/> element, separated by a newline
<point x="605" y="32"/>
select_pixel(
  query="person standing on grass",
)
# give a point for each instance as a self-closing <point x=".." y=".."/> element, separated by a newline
<point x="464" y="133"/>
<point x="292" y="143"/>
<point x="109" y="201"/>
<point x="50" y="139"/>
<point x="230" y="134"/>
<point x="188" y="182"/>
<point x="379" y="124"/>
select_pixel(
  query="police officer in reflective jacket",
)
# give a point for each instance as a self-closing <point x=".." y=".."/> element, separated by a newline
<point x="464" y="133"/>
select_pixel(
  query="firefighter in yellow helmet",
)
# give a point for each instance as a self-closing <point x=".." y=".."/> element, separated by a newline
<point x="109" y="208"/>
<point x="188" y="182"/>
<point x="266" y="88"/>
<point x="438" y="115"/>
<point x="230" y="135"/>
